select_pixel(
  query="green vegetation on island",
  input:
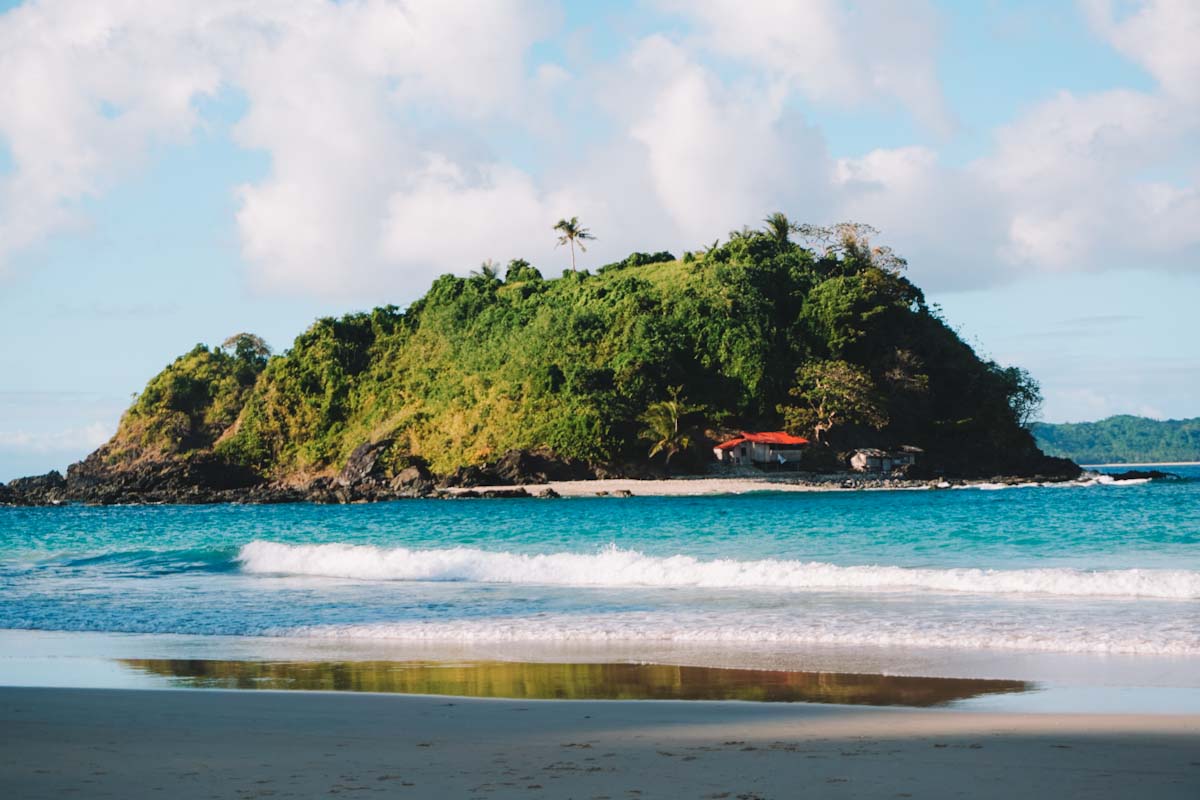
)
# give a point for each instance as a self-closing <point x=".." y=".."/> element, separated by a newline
<point x="1122" y="439"/>
<point x="645" y="359"/>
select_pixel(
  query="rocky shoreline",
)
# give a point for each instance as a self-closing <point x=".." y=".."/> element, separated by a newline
<point x="203" y="479"/>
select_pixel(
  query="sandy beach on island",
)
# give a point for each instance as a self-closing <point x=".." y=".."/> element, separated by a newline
<point x="698" y="486"/>
<point x="204" y="744"/>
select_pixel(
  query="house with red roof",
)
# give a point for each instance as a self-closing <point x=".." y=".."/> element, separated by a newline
<point x="773" y="448"/>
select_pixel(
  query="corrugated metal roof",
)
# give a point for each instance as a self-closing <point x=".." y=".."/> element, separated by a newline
<point x="766" y="437"/>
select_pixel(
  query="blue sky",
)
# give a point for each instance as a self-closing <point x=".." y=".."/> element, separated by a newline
<point x="174" y="173"/>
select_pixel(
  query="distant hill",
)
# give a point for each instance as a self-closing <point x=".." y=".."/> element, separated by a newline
<point x="1123" y="439"/>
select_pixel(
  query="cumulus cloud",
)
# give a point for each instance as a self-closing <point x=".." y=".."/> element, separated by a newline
<point x="1102" y="180"/>
<point x="717" y="154"/>
<point x="344" y="98"/>
<point x="841" y="53"/>
<point x="386" y="128"/>
<point x="1160" y="35"/>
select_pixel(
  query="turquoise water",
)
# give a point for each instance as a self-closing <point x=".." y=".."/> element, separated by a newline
<point x="1103" y="568"/>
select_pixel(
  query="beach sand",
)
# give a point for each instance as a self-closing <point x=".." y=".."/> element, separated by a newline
<point x="699" y="486"/>
<point x="205" y="744"/>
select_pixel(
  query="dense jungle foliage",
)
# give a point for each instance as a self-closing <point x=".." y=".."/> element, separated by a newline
<point x="488" y="363"/>
<point x="1122" y="439"/>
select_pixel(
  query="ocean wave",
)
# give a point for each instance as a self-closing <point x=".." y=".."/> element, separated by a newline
<point x="615" y="567"/>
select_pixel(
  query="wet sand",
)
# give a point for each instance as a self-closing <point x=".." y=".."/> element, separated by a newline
<point x="203" y="744"/>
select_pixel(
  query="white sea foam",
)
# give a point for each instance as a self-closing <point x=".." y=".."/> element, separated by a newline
<point x="796" y="631"/>
<point x="614" y="567"/>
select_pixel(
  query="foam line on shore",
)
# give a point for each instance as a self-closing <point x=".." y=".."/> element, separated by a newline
<point x="641" y="629"/>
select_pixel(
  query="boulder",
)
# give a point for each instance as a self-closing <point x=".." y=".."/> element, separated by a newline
<point x="38" y="490"/>
<point x="363" y="462"/>
<point x="1142" y="474"/>
<point x="520" y="467"/>
<point x="505" y="493"/>
<point x="538" y="466"/>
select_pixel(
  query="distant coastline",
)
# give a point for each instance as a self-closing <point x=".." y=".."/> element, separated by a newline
<point x="1143" y="464"/>
<point x="1123" y="440"/>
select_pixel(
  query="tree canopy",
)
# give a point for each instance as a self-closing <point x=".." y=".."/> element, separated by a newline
<point x="829" y="393"/>
<point x="582" y="364"/>
<point x="1123" y="439"/>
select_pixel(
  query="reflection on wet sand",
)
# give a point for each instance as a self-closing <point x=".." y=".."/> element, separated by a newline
<point x="546" y="681"/>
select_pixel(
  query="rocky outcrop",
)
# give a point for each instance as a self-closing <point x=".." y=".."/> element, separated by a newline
<point x="520" y="467"/>
<point x="41" y="490"/>
<point x="363" y="463"/>
<point x="202" y="478"/>
<point x="1142" y="474"/>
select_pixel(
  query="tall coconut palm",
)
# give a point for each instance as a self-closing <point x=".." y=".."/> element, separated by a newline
<point x="572" y="233"/>
<point x="779" y="227"/>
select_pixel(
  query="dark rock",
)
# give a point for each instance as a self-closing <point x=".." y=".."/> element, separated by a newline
<point x="363" y="462"/>
<point x="412" y="481"/>
<point x="7" y="496"/>
<point x="410" y="476"/>
<point x="1142" y="474"/>
<point x="622" y="493"/>
<point x="467" y="477"/>
<point x="547" y="494"/>
<point x="38" y="490"/>
<point x="520" y="467"/>
<point x="504" y="493"/>
<point x="539" y="466"/>
<point x="202" y="478"/>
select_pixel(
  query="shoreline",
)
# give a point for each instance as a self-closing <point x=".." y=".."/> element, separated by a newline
<point x="744" y="481"/>
<point x="199" y="744"/>
<point x="1144" y="464"/>
<point x="707" y="485"/>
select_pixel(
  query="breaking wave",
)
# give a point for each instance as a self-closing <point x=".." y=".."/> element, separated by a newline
<point x="615" y="567"/>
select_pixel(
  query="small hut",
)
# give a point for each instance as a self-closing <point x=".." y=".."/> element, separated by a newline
<point x="871" y="459"/>
<point x="768" y="448"/>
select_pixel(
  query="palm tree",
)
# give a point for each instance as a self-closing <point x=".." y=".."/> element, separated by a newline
<point x="572" y="234"/>
<point x="488" y="271"/>
<point x="662" y="425"/>
<point x="779" y="227"/>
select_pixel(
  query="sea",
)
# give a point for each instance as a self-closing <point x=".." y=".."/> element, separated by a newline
<point x="1060" y="580"/>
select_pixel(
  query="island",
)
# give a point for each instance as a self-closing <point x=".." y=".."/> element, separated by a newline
<point x="636" y="370"/>
<point x="1123" y="439"/>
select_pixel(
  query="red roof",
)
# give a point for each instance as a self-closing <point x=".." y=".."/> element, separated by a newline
<point x="766" y="437"/>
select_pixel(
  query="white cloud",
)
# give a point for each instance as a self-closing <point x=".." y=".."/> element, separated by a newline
<point x="81" y="439"/>
<point x="363" y="191"/>
<point x="381" y="123"/>
<point x="1161" y="35"/>
<point x="339" y="95"/>
<point x="841" y="53"/>
<point x="1077" y="182"/>
<point x="718" y="155"/>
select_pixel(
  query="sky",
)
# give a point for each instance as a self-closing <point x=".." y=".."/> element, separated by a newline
<point x="173" y="173"/>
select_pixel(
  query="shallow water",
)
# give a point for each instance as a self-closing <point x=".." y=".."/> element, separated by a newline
<point x="1103" y="570"/>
